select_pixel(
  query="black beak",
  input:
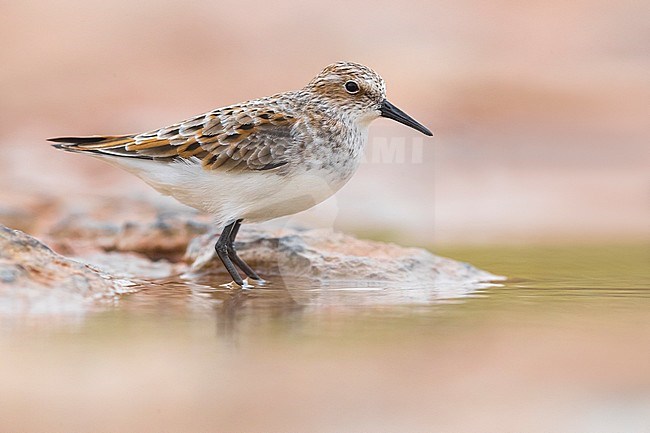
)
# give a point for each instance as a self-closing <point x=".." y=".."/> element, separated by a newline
<point x="392" y="112"/>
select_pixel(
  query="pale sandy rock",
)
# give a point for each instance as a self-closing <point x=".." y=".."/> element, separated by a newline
<point x="325" y="257"/>
<point x="166" y="237"/>
<point x="138" y="249"/>
<point x="130" y="266"/>
<point x="35" y="280"/>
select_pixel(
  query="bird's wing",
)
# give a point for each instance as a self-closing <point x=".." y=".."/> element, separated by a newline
<point x="237" y="138"/>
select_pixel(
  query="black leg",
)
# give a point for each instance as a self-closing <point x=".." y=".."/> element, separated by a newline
<point x="222" y="247"/>
<point x="232" y="253"/>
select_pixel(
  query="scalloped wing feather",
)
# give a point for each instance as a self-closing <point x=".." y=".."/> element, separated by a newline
<point x="236" y="138"/>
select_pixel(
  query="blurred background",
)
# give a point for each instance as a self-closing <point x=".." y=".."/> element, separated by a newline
<point x="539" y="109"/>
<point x="539" y="171"/>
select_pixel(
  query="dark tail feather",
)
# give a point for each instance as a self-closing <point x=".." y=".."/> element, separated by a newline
<point x="79" y="140"/>
<point x="95" y="142"/>
<point x="111" y="145"/>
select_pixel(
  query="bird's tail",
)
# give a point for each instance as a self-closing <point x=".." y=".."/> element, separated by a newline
<point x="105" y="144"/>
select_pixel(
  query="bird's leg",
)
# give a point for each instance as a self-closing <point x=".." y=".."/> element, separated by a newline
<point x="232" y="253"/>
<point x="222" y="247"/>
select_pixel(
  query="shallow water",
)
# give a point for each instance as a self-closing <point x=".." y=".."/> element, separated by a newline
<point x="563" y="345"/>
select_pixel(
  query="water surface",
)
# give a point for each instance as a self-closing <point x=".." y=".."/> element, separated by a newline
<point x="563" y="345"/>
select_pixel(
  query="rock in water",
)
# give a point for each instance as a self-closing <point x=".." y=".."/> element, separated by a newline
<point x="316" y="267"/>
<point x="323" y="256"/>
<point x="35" y="280"/>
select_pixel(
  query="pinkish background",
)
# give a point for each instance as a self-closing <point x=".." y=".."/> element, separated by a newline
<point x="540" y="109"/>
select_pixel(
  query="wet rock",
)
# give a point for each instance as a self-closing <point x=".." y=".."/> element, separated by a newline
<point x="326" y="257"/>
<point x="166" y="237"/>
<point x="130" y="265"/>
<point x="137" y="249"/>
<point x="34" y="279"/>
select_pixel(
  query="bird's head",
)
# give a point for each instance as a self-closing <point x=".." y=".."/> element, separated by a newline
<point x="359" y="92"/>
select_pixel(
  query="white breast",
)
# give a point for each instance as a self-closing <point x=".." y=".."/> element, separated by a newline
<point x="252" y="196"/>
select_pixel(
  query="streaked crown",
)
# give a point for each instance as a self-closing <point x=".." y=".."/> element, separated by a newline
<point x="354" y="88"/>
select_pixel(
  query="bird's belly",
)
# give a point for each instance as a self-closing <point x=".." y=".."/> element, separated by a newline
<point x="228" y="196"/>
<point x="293" y="193"/>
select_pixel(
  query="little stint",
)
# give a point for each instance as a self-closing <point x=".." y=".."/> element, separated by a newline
<point x="260" y="159"/>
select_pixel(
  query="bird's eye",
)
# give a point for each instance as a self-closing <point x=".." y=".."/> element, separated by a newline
<point x="351" y="87"/>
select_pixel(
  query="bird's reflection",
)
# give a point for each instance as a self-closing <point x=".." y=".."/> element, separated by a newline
<point x="286" y="304"/>
<point x="236" y="310"/>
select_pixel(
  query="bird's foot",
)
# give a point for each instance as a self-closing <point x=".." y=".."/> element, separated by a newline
<point x="244" y="284"/>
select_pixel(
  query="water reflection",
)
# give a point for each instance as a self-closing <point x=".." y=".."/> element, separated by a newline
<point x="287" y="304"/>
<point x="543" y="280"/>
<point x="197" y="349"/>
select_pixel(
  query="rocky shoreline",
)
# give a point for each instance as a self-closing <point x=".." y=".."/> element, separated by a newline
<point x="84" y="261"/>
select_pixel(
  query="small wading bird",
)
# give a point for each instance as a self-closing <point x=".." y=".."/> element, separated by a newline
<point x="260" y="159"/>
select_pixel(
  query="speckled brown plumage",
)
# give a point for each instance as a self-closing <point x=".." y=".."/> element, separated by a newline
<point x="246" y="136"/>
<point x="259" y="159"/>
